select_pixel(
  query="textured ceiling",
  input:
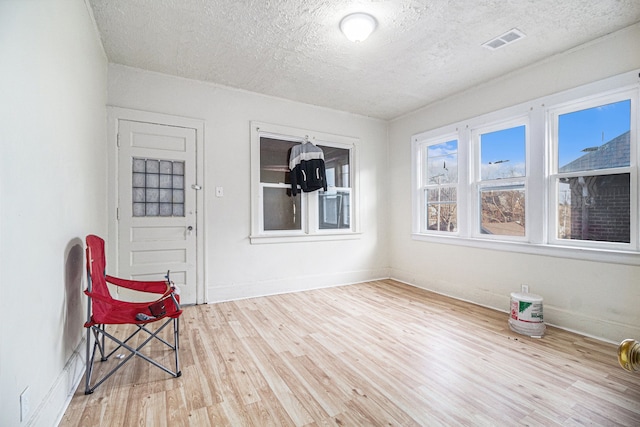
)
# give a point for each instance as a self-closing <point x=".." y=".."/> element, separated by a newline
<point x="422" y="51"/>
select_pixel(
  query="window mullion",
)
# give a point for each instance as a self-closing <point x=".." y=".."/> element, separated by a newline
<point x="465" y="187"/>
<point x="312" y="225"/>
<point x="537" y="178"/>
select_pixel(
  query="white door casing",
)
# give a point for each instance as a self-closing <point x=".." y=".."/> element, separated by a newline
<point x="148" y="243"/>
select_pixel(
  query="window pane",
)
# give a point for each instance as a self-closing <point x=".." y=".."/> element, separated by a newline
<point x="274" y="160"/>
<point x="334" y="206"/>
<point x="281" y="211"/>
<point x="139" y="165"/>
<point x="138" y="209"/>
<point x="502" y="211"/>
<point x="442" y="209"/>
<point x="154" y="187"/>
<point x="166" y="181"/>
<point x="153" y="166"/>
<point x="334" y="210"/>
<point x="336" y="164"/>
<point x="166" y="167"/>
<point x="595" y="138"/>
<point x="595" y="208"/>
<point x="502" y="153"/>
<point x="166" y="209"/>
<point x="442" y="163"/>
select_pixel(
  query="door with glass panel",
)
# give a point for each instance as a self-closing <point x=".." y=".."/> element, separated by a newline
<point x="157" y="204"/>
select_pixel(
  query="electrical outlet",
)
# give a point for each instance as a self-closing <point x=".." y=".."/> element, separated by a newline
<point x="219" y="192"/>
<point x="25" y="404"/>
<point x="525" y="289"/>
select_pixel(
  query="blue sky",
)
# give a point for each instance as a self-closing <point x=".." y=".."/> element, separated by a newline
<point x="585" y="128"/>
<point x="443" y="162"/>
<point x="503" y="152"/>
<point x="577" y="130"/>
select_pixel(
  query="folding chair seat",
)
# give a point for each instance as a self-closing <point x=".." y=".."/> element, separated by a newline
<point x="103" y="310"/>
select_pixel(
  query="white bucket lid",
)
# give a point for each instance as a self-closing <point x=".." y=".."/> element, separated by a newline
<point x="522" y="296"/>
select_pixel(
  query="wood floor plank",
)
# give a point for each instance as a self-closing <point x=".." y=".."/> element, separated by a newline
<point x="176" y="413"/>
<point x="376" y="353"/>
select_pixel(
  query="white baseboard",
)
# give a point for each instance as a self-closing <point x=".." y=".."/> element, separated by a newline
<point x="55" y="403"/>
<point x="231" y="292"/>
<point x="572" y="321"/>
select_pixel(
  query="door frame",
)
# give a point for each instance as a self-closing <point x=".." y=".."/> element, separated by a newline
<point x="114" y="115"/>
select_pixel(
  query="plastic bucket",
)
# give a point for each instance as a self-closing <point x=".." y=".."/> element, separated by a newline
<point x="527" y="315"/>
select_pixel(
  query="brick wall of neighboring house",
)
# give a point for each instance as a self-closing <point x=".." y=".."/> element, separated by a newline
<point x="605" y="214"/>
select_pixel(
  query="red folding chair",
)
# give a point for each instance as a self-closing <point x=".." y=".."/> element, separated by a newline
<point x="103" y="309"/>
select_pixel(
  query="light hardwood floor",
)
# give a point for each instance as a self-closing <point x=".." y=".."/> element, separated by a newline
<point x="376" y="354"/>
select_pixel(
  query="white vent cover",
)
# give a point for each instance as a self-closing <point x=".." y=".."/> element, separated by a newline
<point x="504" y="39"/>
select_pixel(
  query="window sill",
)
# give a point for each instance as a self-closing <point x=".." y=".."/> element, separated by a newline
<point x="267" y="239"/>
<point x="571" y="252"/>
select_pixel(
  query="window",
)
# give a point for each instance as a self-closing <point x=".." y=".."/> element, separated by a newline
<point x="158" y="187"/>
<point x="555" y="176"/>
<point x="335" y="203"/>
<point x="281" y="211"/>
<point x="501" y="180"/>
<point x="278" y="215"/>
<point x="439" y="185"/>
<point x="592" y="179"/>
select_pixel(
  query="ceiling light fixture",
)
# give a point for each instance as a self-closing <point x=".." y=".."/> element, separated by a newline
<point x="358" y="26"/>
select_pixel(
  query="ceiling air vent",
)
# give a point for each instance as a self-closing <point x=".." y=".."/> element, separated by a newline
<point x="505" y="39"/>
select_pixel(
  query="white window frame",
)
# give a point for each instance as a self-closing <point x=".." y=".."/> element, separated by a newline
<point x="419" y="148"/>
<point x="314" y="202"/>
<point x="540" y="207"/>
<point x="303" y="213"/>
<point x="310" y="224"/>
<point x="478" y="184"/>
<point x="553" y="114"/>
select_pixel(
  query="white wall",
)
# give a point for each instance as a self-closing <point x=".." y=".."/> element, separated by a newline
<point x="597" y="299"/>
<point x="53" y="193"/>
<point x="235" y="268"/>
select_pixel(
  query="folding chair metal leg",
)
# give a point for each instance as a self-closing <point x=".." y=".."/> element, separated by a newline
<point x="100" y="333"/>
<point x="176" y="343"/>
<point x="98" y="344"/>
<point x="89" y="362"/>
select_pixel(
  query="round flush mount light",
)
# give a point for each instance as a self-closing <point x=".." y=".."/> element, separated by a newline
<point x="358" y="26"/>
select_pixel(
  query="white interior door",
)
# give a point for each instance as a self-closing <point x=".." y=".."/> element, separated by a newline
<point x="157" y="205"/>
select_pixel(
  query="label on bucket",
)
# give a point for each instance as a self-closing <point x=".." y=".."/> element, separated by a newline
<point x="526" y="311"/>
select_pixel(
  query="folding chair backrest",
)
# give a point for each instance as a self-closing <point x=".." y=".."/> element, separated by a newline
<point x="96" y="272"/>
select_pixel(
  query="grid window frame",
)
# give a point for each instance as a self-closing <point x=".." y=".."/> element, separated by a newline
<point x="541" y="209"/>
<point x="554" y="114"/>
<point x="481" y="183"/>
<point x="427" y="182"/>
<point x="157" y="188"/>
<point x="311" y="207"/>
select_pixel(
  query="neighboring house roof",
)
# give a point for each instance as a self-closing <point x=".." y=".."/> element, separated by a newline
<point x="614" y="153"/>
<point x="503" y="228"/>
